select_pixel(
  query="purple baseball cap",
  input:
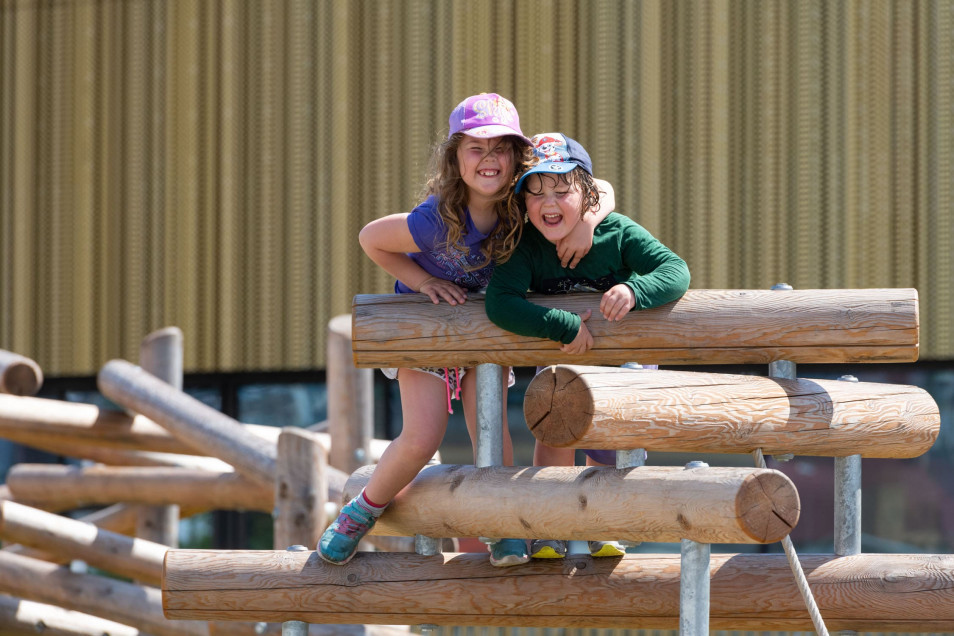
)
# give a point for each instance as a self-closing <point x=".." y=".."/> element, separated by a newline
<point x="485" y="116"/>
<point x="555" y="152"/>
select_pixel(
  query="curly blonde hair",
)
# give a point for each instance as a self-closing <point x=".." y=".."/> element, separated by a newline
<point x="445" y="182"/>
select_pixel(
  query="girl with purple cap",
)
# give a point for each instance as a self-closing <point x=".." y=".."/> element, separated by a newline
<point x="448" y="246"/>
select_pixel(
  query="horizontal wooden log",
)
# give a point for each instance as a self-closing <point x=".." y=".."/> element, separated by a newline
<point x="135" y="605"/>
<point x="869" y="592"/>
<point x="678" y="411"/>
<point x="27" y="618"/>
<point x="57" y="425"/>
<point x="117" y="518"/>
<point x="19" y="375"/>
<point x="650" y="503"/>
<point x="73" y="486"/>
<point x="137" y="559"/>
<point x="703" y="327"/>
<point x="26" y="419"/>
<point x="68" y="487"/>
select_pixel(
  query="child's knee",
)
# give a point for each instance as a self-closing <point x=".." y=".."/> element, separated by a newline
<point x="420" y="445"/>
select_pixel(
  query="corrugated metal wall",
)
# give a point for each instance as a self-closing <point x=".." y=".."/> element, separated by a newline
<point x="208" y="163"/>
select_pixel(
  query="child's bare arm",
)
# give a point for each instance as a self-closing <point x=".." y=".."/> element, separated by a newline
<point x="616" y="302"/>
<point x="387" y="241"/>
<point x="577" y="244"/>
<point x="583" y="341"/>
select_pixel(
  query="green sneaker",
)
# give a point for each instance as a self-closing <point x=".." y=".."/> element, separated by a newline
<point x="340" y="541"/>
<point x="507" y="552"/>
<point x="547" y="549"/>
<point x="606" y="549"/>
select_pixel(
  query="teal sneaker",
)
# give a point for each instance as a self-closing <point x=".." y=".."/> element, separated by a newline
<point x="547" y="549"/>
<point x="507" y="552"/>
<point x="340" y="541"/>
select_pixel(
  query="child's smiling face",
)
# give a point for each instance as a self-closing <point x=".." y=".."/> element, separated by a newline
<point x="554" y="204"/>
<point x="486" y="165"/>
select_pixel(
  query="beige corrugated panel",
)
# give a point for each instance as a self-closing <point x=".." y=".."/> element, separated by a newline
<point x="208" y="164"/>
<point x="939" y="314"/>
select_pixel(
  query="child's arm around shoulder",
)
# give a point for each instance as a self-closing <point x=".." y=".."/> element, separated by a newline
<point x="388" y="241"/>
<point x="577" y="244"/>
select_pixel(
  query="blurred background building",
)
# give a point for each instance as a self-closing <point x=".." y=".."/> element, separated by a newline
<point x="208" y="163"/>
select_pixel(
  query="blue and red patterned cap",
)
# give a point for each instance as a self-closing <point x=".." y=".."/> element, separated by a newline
<point x="486" y="116"/>
<point x="556" y="153"/>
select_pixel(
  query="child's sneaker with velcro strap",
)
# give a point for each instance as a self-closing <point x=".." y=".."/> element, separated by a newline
<point x="340" y="541"/>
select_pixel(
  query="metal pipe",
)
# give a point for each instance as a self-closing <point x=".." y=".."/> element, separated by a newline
<point x="694" y="582"/>
<point x="631" y="458"/>
<point x="637" y="456"/>
<point x="295" y="628"/>
<point x="848" y="500"/>
<point x="784" y="369"/>
<point x="426" y="546"/>
<point x="489" y="415"/>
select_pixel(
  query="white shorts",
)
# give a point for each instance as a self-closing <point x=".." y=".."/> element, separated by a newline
<point x="440" y="373"/>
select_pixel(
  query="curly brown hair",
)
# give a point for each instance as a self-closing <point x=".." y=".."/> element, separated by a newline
<point x="445" y="182"/>
<point x="591" y="193"/>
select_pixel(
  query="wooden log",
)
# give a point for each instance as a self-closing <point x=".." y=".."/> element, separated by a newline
<point x="134" y="605"/>
<point x="26" y="618"/>
<point x="19" y="375"/>
<point x="120" y="457"/>
<point x="117" y="518"/>
<point x="67" y="487"/>
<point x="703" y="327"/>
<point x="867" y="592"/>
<point x="301" y="490"/>
<point x="649" y="503"/>
<point x="74" y="487"/>
<point x="137" y="559"/>
<point x="678" y="411"/>
<point x="160" y="353"/>
<point x="350" y="401"/>
<point x="197" y="424"/>
<point x="57" y="424"/>
<point x="26" y="419"/>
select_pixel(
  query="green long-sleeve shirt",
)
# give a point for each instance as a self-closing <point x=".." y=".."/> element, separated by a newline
<point x="623" y="252"/>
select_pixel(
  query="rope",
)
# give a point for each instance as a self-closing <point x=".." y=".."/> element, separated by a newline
<point x="796" y="566"/>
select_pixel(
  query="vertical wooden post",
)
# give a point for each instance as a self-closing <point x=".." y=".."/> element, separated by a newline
<point x="160" y="354"/>
<point x="301" y="489"/>
<point x="350" y="401"/>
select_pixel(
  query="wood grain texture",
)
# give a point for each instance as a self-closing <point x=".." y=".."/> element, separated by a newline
<point x="350" y="401"/>
<point x="301" y="489"/>
<point x="681" y="411"/>
<point x="881" y="592"/>
<point x="196" y="424"/>
<point x="74" y="487"/>
<point x="26" y="618"/>
<point x="703" y="327"/>
<point x="138" y="606"/>
<point x="650" y="503"/>
<point x="58" y="425"/>
<point x="135" y="558"/>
